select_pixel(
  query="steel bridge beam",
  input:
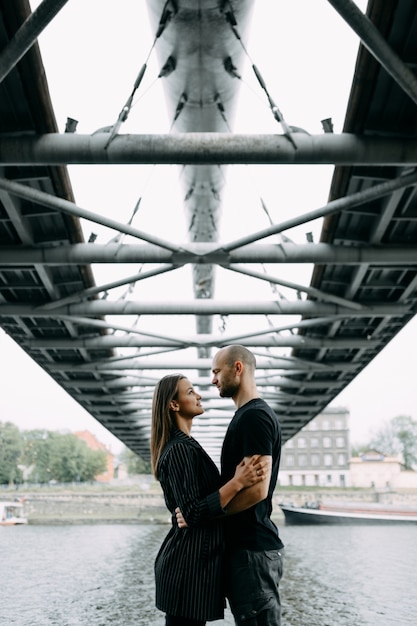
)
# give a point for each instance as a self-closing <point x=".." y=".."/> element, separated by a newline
<point x="109" y="342"/>
<point x="100" y="308"/>
<point x="340" y="204"/>
<point x="27" y="34"/>
<point x="207" y="149"/>
<point x="377" y="46"/>
<point x="147" y="363"/>
<point x="208" y="253"/>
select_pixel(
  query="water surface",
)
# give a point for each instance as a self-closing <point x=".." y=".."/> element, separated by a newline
<point x="103" y="574"/>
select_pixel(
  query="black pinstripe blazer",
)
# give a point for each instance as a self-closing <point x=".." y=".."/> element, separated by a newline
<point x="188" y="575"/>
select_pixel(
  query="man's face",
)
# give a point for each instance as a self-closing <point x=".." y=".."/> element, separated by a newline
<point x="224" y="377"/>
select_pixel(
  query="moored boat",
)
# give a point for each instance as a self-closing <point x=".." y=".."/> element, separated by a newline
<point x="11" y="514"/>
<point x="352" y="513"/>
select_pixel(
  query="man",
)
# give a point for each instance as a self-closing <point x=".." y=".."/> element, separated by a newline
<point x="254" y="550"/>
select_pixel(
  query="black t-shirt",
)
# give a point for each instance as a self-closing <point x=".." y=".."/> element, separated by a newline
<point x="254" y="429"/>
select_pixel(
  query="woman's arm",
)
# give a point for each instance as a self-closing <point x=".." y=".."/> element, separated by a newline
<point x="179" y="475"/>
<point x="235" y="498"/>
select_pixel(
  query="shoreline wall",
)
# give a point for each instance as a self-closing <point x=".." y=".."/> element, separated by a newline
<point x="67" y="508"/>
<point x="79" y="506"/>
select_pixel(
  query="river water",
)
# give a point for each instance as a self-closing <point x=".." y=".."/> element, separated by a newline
<point x="103" y="574"/>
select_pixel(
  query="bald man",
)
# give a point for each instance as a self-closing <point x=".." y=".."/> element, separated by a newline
<point x="254" y="550"/>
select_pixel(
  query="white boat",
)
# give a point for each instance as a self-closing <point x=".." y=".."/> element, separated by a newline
<point x="11" y="514"/>
<point x="352" y="513"/>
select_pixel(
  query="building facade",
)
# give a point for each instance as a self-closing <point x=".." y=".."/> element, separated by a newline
<point x="319" y="455"/>
<point x="375" y="469"/>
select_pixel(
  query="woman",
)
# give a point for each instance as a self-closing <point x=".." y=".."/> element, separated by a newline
<point x="188" y="565"/>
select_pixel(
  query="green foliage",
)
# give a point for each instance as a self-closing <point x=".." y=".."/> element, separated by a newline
<point x="398" y="437"/>
<point x="36" y="454"/>
<point x="11" y="446"/>
<point x="47" y="456"/>
<point x="358" y="448"/>
<point x="134" y="463"/>
<point x="70" y="460"/>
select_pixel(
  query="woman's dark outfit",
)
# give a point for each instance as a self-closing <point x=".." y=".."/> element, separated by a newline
<point x="188" y="567"/>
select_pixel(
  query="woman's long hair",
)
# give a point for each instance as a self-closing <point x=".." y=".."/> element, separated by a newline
<point x="162" y="417"/>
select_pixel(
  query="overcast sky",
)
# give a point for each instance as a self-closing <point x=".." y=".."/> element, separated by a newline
<point x="92" y="53"/>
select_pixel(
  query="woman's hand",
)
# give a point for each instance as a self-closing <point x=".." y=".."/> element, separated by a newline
<point x="251" y="470"/>
<point x="180" y="519"/>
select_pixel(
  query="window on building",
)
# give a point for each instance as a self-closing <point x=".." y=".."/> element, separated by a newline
<point x="340" y="442"/>
<point x="289" y="460"/>
<point x="316" y="480"/>
<point x="329" y="479"/>
<point x="302" y="442"/>
<point x="328" y="460"/>
<point x="314" y="442"/>
<point x="341" y="459"/>
<point x="326" y="424"/>
<point x="289" y="443"/>
<point x="302" y="460"/>
<point x="303" y="480"/>
<point x="327" y="442"/>
<point x="315" y="460"/>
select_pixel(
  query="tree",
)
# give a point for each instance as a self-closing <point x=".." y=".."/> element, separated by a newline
<point x="73" y="461"/>
<point x="11" y="446"/>
<point x="134" y="463"/>
<point x="36" y="455"/>
<point x="357" y="449"/>
<point x="62" y="457"/>
<point x="399" y="436"/>
<point x="96" y="463"/>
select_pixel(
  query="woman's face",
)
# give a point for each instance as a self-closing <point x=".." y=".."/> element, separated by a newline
<point x="188" y="400"/>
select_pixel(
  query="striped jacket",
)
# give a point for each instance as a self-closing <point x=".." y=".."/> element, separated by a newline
<point x="188" y="567"/>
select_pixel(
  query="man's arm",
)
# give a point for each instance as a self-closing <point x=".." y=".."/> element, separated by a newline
<point x="246" y="498"/>
<point x="252" y="495"/>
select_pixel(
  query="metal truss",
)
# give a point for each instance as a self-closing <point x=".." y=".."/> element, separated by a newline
<point x="311" y="340"/>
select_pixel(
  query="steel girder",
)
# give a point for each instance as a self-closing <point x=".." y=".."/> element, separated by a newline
<point x="203" y="254"/>
<point x="26" y="36"/>
<point x="207" y="307"/>
<point x="208" y="149"/>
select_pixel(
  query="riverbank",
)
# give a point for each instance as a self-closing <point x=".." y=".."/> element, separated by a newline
<point x="143" y="502"/>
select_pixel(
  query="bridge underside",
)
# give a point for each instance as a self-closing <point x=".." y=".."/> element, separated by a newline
<point x="107" y="341"/>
